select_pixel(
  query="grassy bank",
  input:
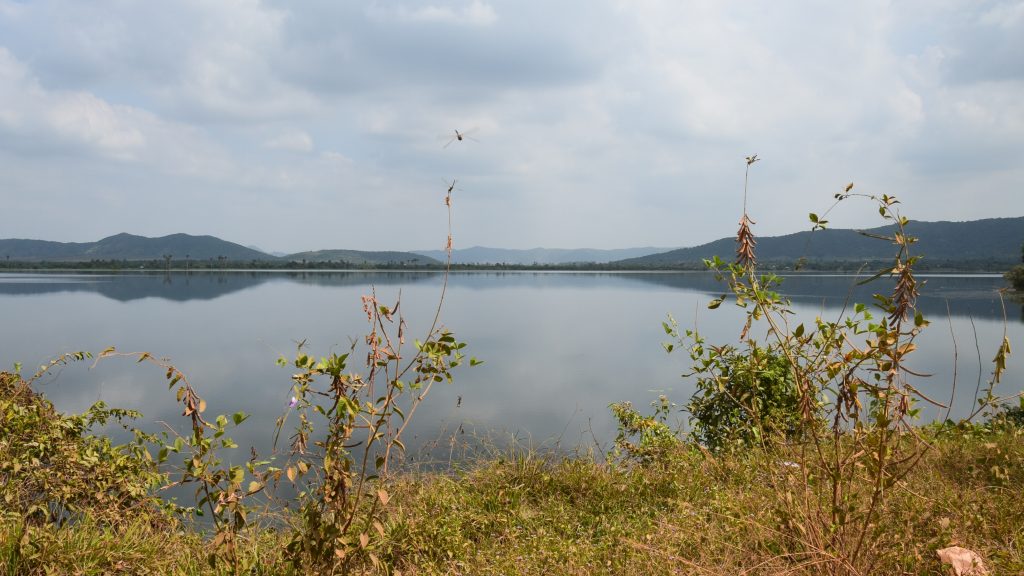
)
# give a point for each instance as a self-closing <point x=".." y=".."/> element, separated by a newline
<point x="518" y="512"/>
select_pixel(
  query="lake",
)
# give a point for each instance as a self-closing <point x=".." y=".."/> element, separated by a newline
<point x="558" y="348"/>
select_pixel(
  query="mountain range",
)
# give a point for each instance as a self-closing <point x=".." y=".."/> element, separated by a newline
<point x="128" y="247"/>
<point x="993" y="243"/>
<point x="185" y="247"/>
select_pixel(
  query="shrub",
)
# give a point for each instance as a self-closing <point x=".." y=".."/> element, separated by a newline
<point x="654" y="439"/>
<point x="54" y="470"/>
<point x="1015" y="277"/>
<point x="743" y="399"/>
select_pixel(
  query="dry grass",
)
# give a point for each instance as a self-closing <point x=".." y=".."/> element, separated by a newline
<point x="732" y="515"/>
<point x="530" y="514"/>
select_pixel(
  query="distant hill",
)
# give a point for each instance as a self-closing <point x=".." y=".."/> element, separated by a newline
<point x="483" y="255"/>
<point x="993" y="241"/>
<point x="990" y="244"/>
<point x="360" y="257"/>
<point x="128" y="247"/>
<point x="183" y="247"/>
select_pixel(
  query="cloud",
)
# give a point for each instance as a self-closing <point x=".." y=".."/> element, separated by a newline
<point x="46" y="119"/>
<point x="1007" y="15"/>
<point x="69" y="153"/>
<point x="293" y="140"/>
<point x="601" y="123"/>
<point x="475" y="13"/>
<point x="191" y="60"/>
<point x="981" y="41"/>
<point x="94" y="123"/>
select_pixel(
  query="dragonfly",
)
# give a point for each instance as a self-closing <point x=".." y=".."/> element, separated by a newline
<point x="459" y="136"/>
<point x="451" y="188"/>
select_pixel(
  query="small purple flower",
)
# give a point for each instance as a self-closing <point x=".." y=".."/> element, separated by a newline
<point x="293" y="402"/>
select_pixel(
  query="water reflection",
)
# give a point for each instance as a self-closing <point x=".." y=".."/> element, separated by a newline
<point x="960" y="295"/>
<point x="181" y="286"/>
<point x="966" y="295"/>
<point x="558" y="347"/>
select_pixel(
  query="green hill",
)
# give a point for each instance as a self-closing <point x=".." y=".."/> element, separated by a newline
<point x="990" y="243"/>
<point x="129" y="247"/>
<point x="182" y="247"/>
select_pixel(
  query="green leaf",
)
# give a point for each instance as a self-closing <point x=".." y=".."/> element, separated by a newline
<point x="813" y="217"/>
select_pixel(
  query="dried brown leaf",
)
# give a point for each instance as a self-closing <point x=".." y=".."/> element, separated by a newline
<point x="962" y="562"/>
<point x="745" y="243"/>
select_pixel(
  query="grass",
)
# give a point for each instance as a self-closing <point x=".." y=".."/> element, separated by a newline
<point x="697" y="515"/>
<point x="529" y="513"/>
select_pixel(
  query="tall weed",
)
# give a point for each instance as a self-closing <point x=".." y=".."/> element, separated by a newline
<point x="831" y="401"/>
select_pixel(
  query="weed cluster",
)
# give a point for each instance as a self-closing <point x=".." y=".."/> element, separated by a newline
<point x="55" y="472"/>
<point x="831" y="401"/>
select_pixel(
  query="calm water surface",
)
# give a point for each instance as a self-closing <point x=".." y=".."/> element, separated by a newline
<point x="558" y="347"/>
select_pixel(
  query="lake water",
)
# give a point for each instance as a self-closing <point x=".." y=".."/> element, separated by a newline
<point x="558" y="347"/>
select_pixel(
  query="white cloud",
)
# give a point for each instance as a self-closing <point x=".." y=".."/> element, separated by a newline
<point x="77" y="118"/>
<point x="10" y="9"/>
<point x="59" y="122"/>
<point x="475" y="13"/>
<point x="601" y="123"/>
<point x="293" y="140"/>
<point x="1003" y="14"/>
<point x="93" y="122"/>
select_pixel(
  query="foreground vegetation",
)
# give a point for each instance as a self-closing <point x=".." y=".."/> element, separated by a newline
<point x="687" y="511"/>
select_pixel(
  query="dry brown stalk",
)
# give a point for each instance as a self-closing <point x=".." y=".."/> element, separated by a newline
<point x="745" y="243"/>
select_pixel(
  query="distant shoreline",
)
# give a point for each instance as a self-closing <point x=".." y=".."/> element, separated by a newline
<point x="952" y="267"/>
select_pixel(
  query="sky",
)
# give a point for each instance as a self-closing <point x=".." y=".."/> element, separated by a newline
<point x="591" y="123"/>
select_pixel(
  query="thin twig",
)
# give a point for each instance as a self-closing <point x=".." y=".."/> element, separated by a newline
<point x="956" y="356"/>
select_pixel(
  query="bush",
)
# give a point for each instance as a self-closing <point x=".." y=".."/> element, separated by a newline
<point x="747" y="397"/>
<point x="53" y="470"/>
<point x="654" y="439"/>
<point x="1016" y="277"/>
